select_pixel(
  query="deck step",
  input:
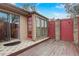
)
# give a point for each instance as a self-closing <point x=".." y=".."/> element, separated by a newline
<point x="12" y="43"/>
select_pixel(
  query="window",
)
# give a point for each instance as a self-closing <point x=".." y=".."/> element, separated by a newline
<point x="38" y="28"/>
<point x="46" y="29"/>
<point x="9" y="26"/>
<point x="14" y="26"/>
<point x="4" y="27"/>
<point x="42" y="27"/>
<point x="37" y="22"/>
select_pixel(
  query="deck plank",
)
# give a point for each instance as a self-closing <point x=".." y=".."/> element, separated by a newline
<point x="52" y="48"/>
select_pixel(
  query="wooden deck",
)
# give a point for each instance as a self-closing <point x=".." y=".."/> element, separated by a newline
<point x="52" y="48"/>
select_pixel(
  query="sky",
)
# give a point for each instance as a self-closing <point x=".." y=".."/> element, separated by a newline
<point x="50" y="10"/>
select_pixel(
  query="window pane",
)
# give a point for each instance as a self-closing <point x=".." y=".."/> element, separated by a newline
<point x="42" y="23"/>
<point x="42" y="27"/>
<point x="45" y="24"/>
<point x="14" y="24"/>
<point x="3" y="16"/>
<point x="4" y="27"/>
<point x="38" y="24"/>
<point x="46" y="28"/>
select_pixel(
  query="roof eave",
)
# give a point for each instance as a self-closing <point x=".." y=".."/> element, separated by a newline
<point x="12" y="8"/>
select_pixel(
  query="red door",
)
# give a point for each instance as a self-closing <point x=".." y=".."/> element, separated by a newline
<point x="66" y="30"/>
<point x="29" y="26"/>
<point x="51" y="29"/>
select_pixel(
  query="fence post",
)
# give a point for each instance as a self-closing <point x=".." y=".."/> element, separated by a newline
<point x="57" y="30"/>
<point x="75" y="28"/>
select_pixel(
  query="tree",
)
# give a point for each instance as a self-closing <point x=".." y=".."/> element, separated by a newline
<point x="30" y="7"/>
<point x="72" y="8"/>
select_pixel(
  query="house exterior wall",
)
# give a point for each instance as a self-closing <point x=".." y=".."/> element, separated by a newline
<point x="23" y="27"/>
<point x="23" y="35"/>
<point x="34" y="27"/>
